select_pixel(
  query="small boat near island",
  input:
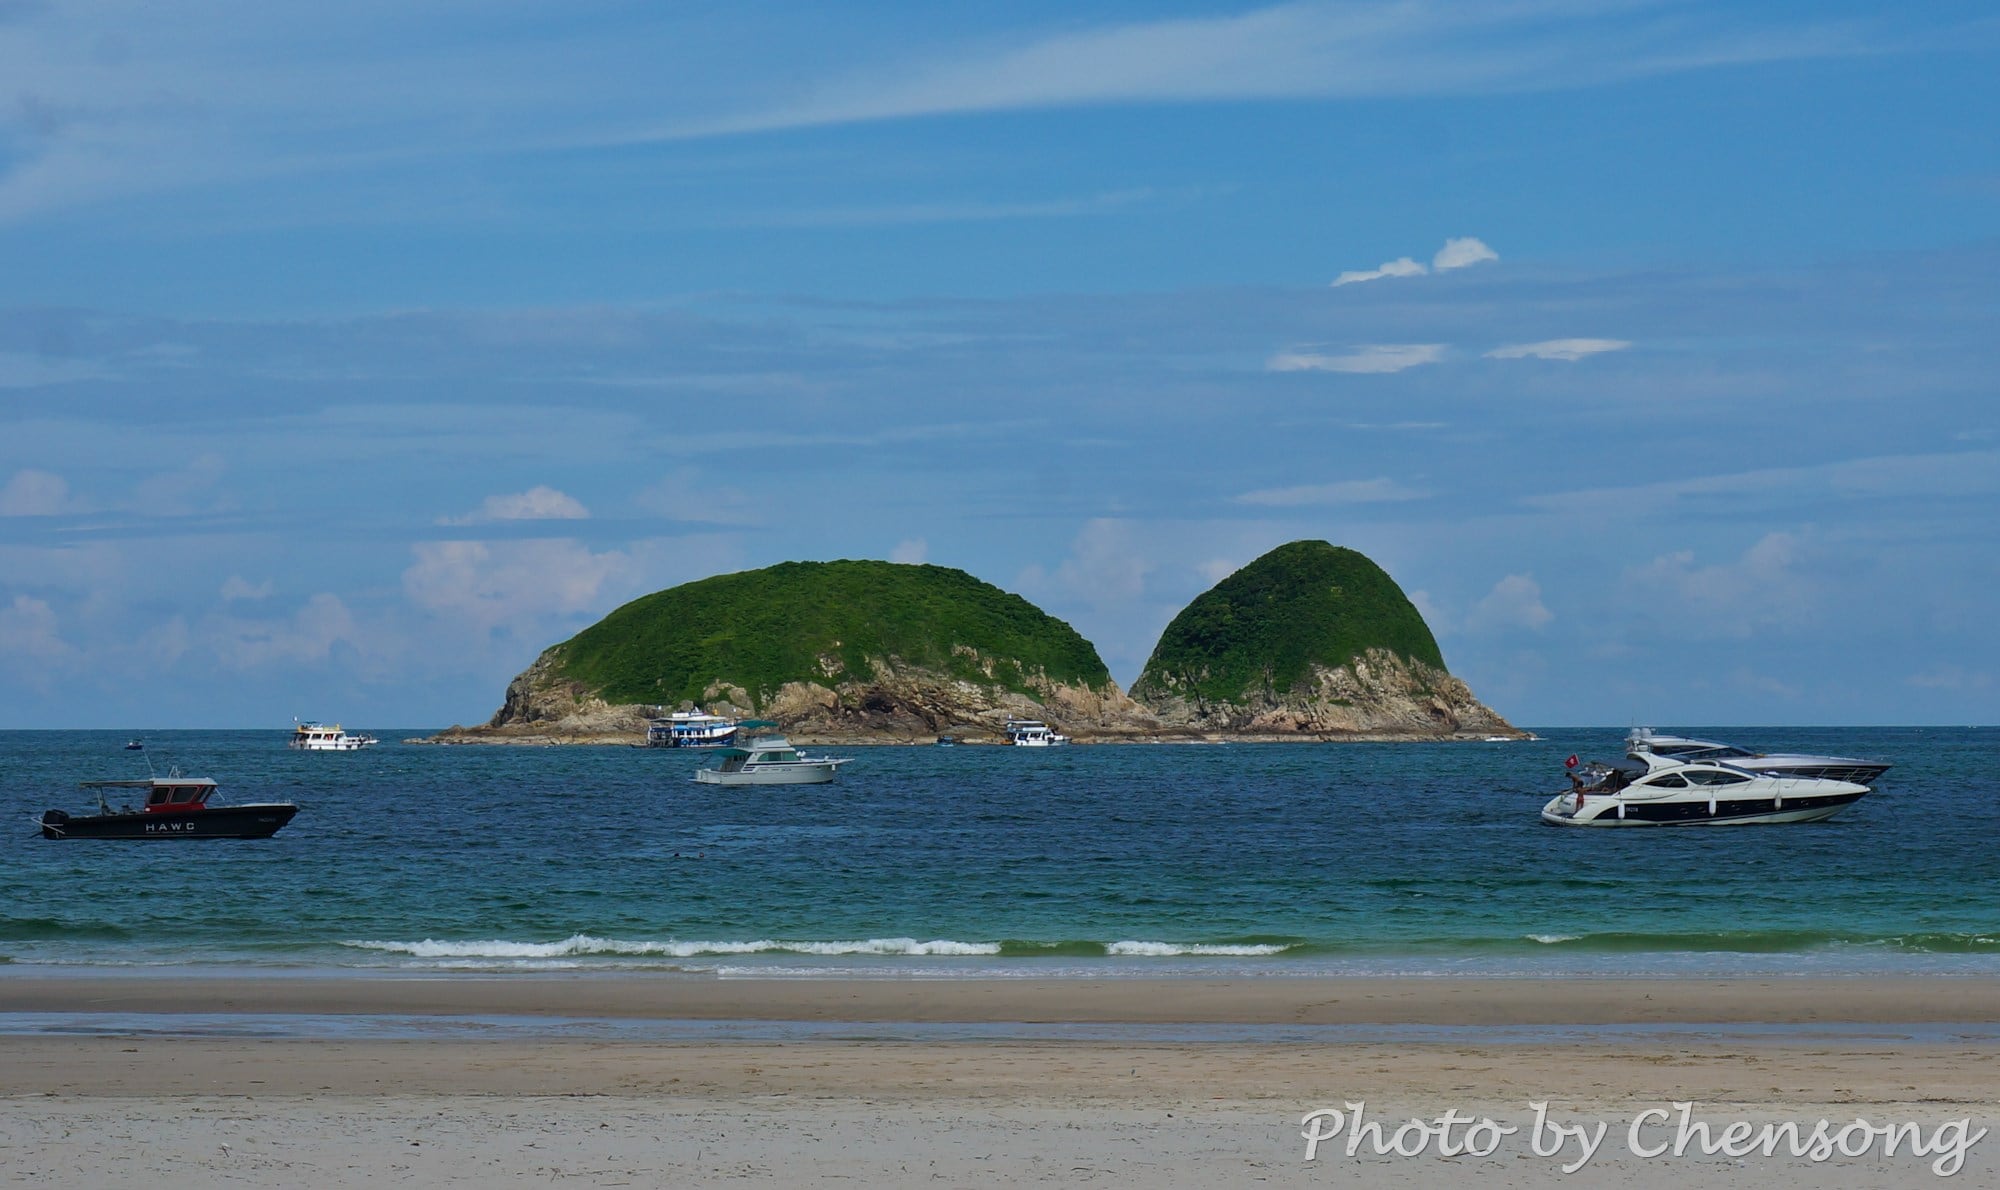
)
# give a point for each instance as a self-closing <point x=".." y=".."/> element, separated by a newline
<point x="1655" y="790"/>
<point x="322" y="737"/>
<point x="696" y="729"/>
<point x="174" y="807"/>
<point x="770" y="760"/>
<point x="1033" y="733"/>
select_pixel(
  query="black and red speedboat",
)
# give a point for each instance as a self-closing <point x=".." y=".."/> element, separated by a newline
<point x="174" y="807"/>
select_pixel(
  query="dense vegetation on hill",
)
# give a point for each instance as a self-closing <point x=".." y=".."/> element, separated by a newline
<point x="1259" y="632"/>
<point x="821" y="622"/>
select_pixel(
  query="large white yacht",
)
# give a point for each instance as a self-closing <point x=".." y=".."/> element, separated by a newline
<point x="1646" y="741"/>
<point x="1655" y="790"/>
<point x="1033" y="733"/>
<point x="327" y="737"/>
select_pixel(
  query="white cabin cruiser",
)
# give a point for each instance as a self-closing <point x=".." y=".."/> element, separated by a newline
<point x="325" y="737"/>
<point x="1776" y="764"/>
<point x="770" y="760"/>
<point x="1654" y="790"/>
<point x="1033" y="733"/>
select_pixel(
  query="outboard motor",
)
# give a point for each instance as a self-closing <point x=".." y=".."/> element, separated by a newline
<point x="53" y="822"/>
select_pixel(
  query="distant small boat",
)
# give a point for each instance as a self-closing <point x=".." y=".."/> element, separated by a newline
<point x="322" y="737"/>
<point x="770" y="760"/>
<point x="1033" y="733"/>
<point x="696" y="729"/>
<point x="135" y="745"/>
<point x="947" y="741"/>
<point x="175" y="807"/>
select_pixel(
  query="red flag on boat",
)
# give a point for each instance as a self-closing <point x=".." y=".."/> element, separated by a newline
<point x="1571" y="762"/>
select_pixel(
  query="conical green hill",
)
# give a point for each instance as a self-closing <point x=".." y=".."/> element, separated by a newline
<point x="1260" y="632"/>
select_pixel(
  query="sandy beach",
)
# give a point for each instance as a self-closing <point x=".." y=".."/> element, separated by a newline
<point x="93" y="1099"/>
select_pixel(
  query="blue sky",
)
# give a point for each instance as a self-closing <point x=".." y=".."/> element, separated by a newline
<point x="351" y="354"/>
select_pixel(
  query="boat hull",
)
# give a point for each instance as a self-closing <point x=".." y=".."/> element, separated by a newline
<point x="218" y="822"/>
<point x="813" y="773"/>
<point x="1753" y="811"/>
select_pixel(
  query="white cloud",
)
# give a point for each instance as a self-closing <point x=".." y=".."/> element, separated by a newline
<point x="1569" y="350"/>
<point x="539" y="503"/>
<point x="912" y="551"/>
<point x="1375" y="359"/>
<point x="1462" y="251"/>
<point x="489" y="585"/>
<point x="1763" y="588"/>
<point x="1514" y="602"/>
<point x="309" y="635"/>
<point x="1352" y="491"/>
<point x="34" y="493"/>
<point x="1402" y="266"/>
<point x="237" y="587"/>
<point x="1104" y="566"/>
<point x="28" y="628"/>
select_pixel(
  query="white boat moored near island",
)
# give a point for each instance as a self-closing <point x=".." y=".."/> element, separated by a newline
<point x="695" y="729"/>
<point x="770" y="760"/>
<point x="1033" y="733"/>
<point x="1654" y="790"/>
<point x="324" y="737"/>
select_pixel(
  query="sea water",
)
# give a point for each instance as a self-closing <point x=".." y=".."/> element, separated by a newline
<point x="1238" y="859"/>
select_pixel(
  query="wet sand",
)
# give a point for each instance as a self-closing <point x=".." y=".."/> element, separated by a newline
<point x="174" y="1108"/>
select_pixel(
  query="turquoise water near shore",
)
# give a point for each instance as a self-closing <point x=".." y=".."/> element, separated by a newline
<point x="1244" y="859"/>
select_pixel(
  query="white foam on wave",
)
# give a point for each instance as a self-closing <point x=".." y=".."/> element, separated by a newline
<point x="587" y="944"/>
<point x="1552" y="939"/>
<point x="1172" y="949"/>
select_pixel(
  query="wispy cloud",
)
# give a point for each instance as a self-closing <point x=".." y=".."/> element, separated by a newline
<point x="34" y="493"/>
<point x="1569" y="350"/>
<point x="1373" y="358"/>
<point x="1457" y="253"/>
<point x="1352" y="491"/>
<point x="1514" y="602"/>
<point x="1315" y="48"/>
<point x="539" y="503"/>
<point x="1402" y="266"/>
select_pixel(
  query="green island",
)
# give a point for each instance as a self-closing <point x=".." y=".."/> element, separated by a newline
<point x="1267" y="628"/>
<point x="1310" y="641"/>
<point x="822" y="622"/>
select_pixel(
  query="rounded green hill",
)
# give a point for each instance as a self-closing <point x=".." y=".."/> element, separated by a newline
<point x="1265" y="630"/>
<point x="824" y="623"/>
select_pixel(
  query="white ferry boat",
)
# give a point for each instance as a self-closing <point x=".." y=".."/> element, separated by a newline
<point x="1033" y="733"/>
<point x="325" y="737"/>
<point x="693" y="729"/>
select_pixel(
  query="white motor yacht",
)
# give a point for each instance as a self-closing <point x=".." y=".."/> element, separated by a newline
<point x="694" y="729"/>
<point x="1033" y="733"/>
<point x="1655" y="790"/>
<point x="770" y="760"/>
<point x="327" y="737"/>
<point x="1777" y="764"/>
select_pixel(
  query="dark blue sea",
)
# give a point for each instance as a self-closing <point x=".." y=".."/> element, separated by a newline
<point x="1243" y="859"/>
